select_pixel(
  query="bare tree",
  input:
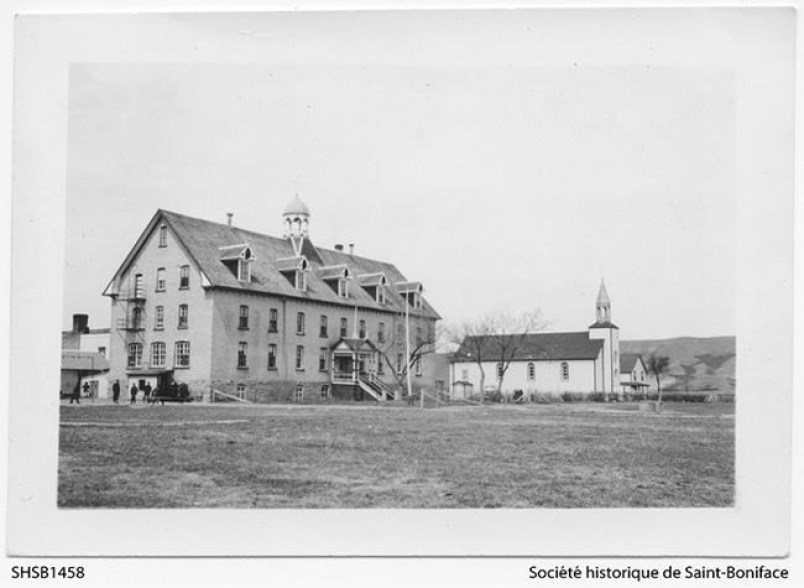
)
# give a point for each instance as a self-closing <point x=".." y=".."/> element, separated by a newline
<point x="658" y="366"/>
<point x="424" y="340"/>
<point x="495" y="337"/>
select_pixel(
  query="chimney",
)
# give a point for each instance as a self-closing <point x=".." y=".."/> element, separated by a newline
<point x="351" y="248"/>
<point x="80" y="323"/>
<point x="338" y="247"/>
<point x="229" y="216"/>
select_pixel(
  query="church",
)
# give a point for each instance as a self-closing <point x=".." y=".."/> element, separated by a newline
<point x="240" y="315"/>
<point x="548" y="364"/>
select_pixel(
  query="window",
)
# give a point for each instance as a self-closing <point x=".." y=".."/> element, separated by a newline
<point x="379" y="294"/>
<point x="183" y="316"/>
<point x="163" y="236"/>
<point x="159" y="318"/>
<point x="241" y="391"/>
<point x="184" y="277"/>
<point x="300" y="280"/>
<point x="344" y="327"/>
<point x="531" y="371"/>
<point x="322" y="359"/>
<point x="418" y="366"/>
<point x="134" y="355"/>
<point x="565" y="371"/>
<point x="380" y="364"/>
<point x="243" y="324"/>
<point x="343" y="288"/>
<point x="465" y="375"/>
<point x="322" y="330"/>
<point x="398" y="363"/>
<point x="399" y="338"/>
<point x="242" y="354"/>
<point x="160" y="279"/>
<point x="381" y="333"/>
<point x="300" y="323"/>
<point x="138" y="288"/>
<point x="102" y="351"/>
<point x="182" y="354"/>
<point x="271" y="356"/>
<point x="158" y="354"/>
<point x="362" y="327"/>
<point x="325" y="391"/>
<point x="299" y="357"/>
<point x="244" y="270"/>
<point x="273" y="321"/>
<point x="499" y="370"/>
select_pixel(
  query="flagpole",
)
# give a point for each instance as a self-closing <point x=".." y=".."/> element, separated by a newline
<point x="407" y="344"/>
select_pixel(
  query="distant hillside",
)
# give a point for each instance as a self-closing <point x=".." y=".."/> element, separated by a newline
<point x="695" y="363"/>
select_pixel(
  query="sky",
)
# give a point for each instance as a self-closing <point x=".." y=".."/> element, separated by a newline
<point x="500" y="182"/>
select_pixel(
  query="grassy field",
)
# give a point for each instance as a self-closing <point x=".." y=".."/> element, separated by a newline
<point x="362" y="456"/>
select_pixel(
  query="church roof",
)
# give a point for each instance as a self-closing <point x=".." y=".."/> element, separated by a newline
<point x="534" y="346"/>
<point x="203" y="241"/>
<point x="603" y="325"/>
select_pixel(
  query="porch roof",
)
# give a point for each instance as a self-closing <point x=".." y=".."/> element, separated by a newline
<point x="354" y="345"/>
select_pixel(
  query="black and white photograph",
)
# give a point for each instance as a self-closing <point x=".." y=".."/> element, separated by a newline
<point x="442" y="282"/>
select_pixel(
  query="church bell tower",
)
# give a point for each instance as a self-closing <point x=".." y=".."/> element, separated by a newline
<point x="607" y="367"/>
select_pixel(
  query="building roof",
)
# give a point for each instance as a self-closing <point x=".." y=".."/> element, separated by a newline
<point x="84" y="361"/>
<point x="203" y="241"/>
<point x="628" y="361"/>
<point x="603" y="325"/>
<point x="534" y="346"/>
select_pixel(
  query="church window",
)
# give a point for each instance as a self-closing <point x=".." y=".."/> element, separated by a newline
<point x="531" y="371"/>
<point x="565" y="373"/>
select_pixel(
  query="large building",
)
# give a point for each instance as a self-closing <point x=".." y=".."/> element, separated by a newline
<point x="545" y="363"/>
<point x="238" y="314"/>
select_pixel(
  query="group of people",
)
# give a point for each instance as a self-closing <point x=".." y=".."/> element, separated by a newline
<point x="172" y="390"/>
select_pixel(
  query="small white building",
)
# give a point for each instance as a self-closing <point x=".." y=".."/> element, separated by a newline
<point x="546" y="363"/>
<point x="84" y="359"/>
<point x="633" y="374"/>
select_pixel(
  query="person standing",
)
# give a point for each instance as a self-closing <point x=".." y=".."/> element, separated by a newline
<point x="147" y="393"/>
<point x="76" y="394"/>
<point x="133" y="394"/>
<point x="116" y="392"/>
<point x="86" y="389"/>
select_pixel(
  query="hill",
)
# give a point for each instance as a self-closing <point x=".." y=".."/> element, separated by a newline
<point x="695" y="363"/>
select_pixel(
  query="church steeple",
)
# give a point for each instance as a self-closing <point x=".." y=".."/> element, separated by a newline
<point x="603" y="304"/>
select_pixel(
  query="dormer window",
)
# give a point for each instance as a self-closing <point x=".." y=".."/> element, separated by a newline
<point x="238" y="259"/>
<point x="411" y="292"/>
<point x="295" y="271"/>
<point x="374" y="285"/>
<point x="336" y="277"/>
